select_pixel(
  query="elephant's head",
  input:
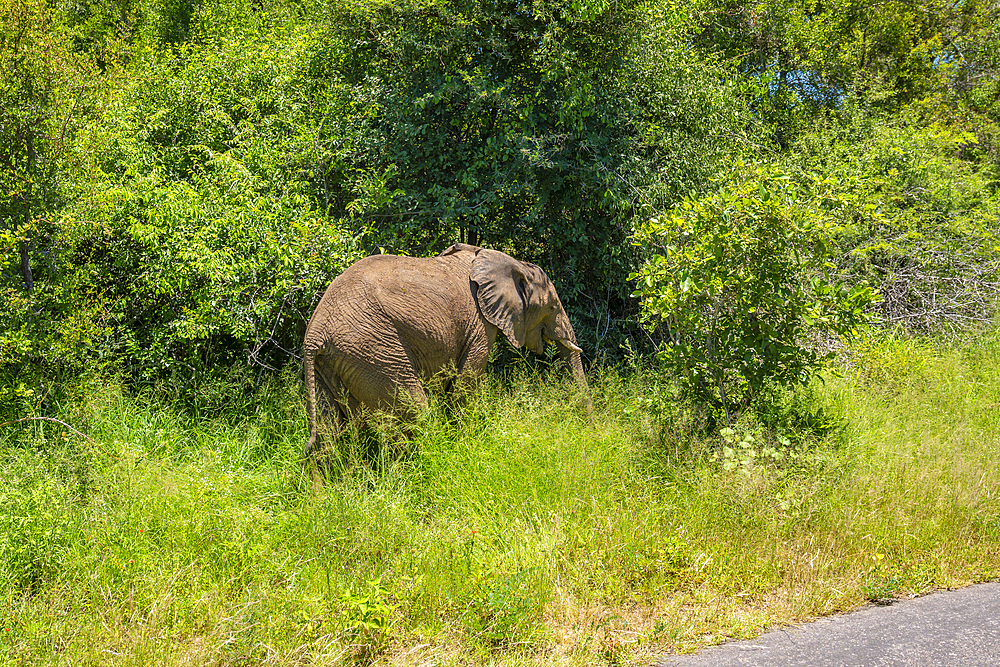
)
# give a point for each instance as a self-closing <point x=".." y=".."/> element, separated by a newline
<point x="520" y="300"/>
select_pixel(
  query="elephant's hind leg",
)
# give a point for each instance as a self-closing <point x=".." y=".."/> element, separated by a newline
<point x="333" y="418"/>
<point x="392" y="389"/>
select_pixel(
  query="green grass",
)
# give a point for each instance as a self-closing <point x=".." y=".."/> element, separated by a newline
<point x="515" y="531"/>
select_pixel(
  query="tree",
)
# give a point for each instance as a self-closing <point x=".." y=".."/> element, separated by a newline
<point x="30" y="60"/>
<point x="537" y="128"/>
<point x="811" y="56"/>
<point x="43" y="90"/>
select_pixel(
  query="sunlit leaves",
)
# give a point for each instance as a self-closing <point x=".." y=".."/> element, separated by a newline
<point x="737" y="280"/>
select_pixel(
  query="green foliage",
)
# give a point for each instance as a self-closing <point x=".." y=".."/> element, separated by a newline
<point x="368" y="616"/>
<point x="39" y="92"/>
<point x="918" y="216"/>
<point x="888" y="56"/>
<point x="46" y="94"/>
<point x="976" y="46"/>
<point x="493" y="119"/>
<point x="738" y="279"/>
<point x="505" y="612"/>
<point x="193" y="240"/>
<point x="514" y="530"/>
<point x="538" y="130"/>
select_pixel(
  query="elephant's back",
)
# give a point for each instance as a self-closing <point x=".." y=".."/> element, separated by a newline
<point x="390" y="291"/>
<point x="385" y="277"/>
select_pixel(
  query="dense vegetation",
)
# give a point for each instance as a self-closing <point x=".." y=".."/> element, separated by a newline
<point x="732" y="200"/>
<point x="181" y="179"/>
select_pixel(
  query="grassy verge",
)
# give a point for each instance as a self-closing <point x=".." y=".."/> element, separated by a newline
<point x="517" y="532"/>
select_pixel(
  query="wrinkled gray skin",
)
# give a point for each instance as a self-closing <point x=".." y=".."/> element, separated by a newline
<point x="389" y="324"/>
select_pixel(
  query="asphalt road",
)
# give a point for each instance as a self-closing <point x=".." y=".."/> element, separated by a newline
<point x="942" y="629"/>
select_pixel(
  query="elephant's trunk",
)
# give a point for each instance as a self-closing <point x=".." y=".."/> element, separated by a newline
<point x="571" y="355"/>
<point x="570" y="352"/>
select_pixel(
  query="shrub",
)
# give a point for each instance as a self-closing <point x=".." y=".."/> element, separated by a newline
<point x="738" y="280"/>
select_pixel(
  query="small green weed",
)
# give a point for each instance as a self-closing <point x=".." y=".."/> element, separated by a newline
<point x="655" y="565"/>
<point x="505" y="611"/>
<point x="743" y="449"/>
<point x="367" y="618"/>
<point x="881" y="581"/>
<point x="888" y="577"/>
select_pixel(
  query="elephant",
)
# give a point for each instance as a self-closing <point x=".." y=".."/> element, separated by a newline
<point x="388" y="325"/>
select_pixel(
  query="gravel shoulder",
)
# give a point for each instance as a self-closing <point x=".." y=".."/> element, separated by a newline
<point x="945" y="628"/>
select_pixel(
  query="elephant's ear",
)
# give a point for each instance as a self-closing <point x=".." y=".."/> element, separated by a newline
<point x="503" y="293"/>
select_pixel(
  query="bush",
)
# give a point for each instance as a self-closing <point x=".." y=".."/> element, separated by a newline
<point x="191" y="241"/>
<point x="738" y="280"/>
<point x="918" y="215"/>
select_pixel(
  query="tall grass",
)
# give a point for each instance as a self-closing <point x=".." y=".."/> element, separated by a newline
<point x="513" y="530"/>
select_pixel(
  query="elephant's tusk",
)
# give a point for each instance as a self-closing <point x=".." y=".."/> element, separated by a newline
<point x="570" y="344"/>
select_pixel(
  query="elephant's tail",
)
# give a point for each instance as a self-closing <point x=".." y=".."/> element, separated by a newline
<point x="309" y="358"/>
